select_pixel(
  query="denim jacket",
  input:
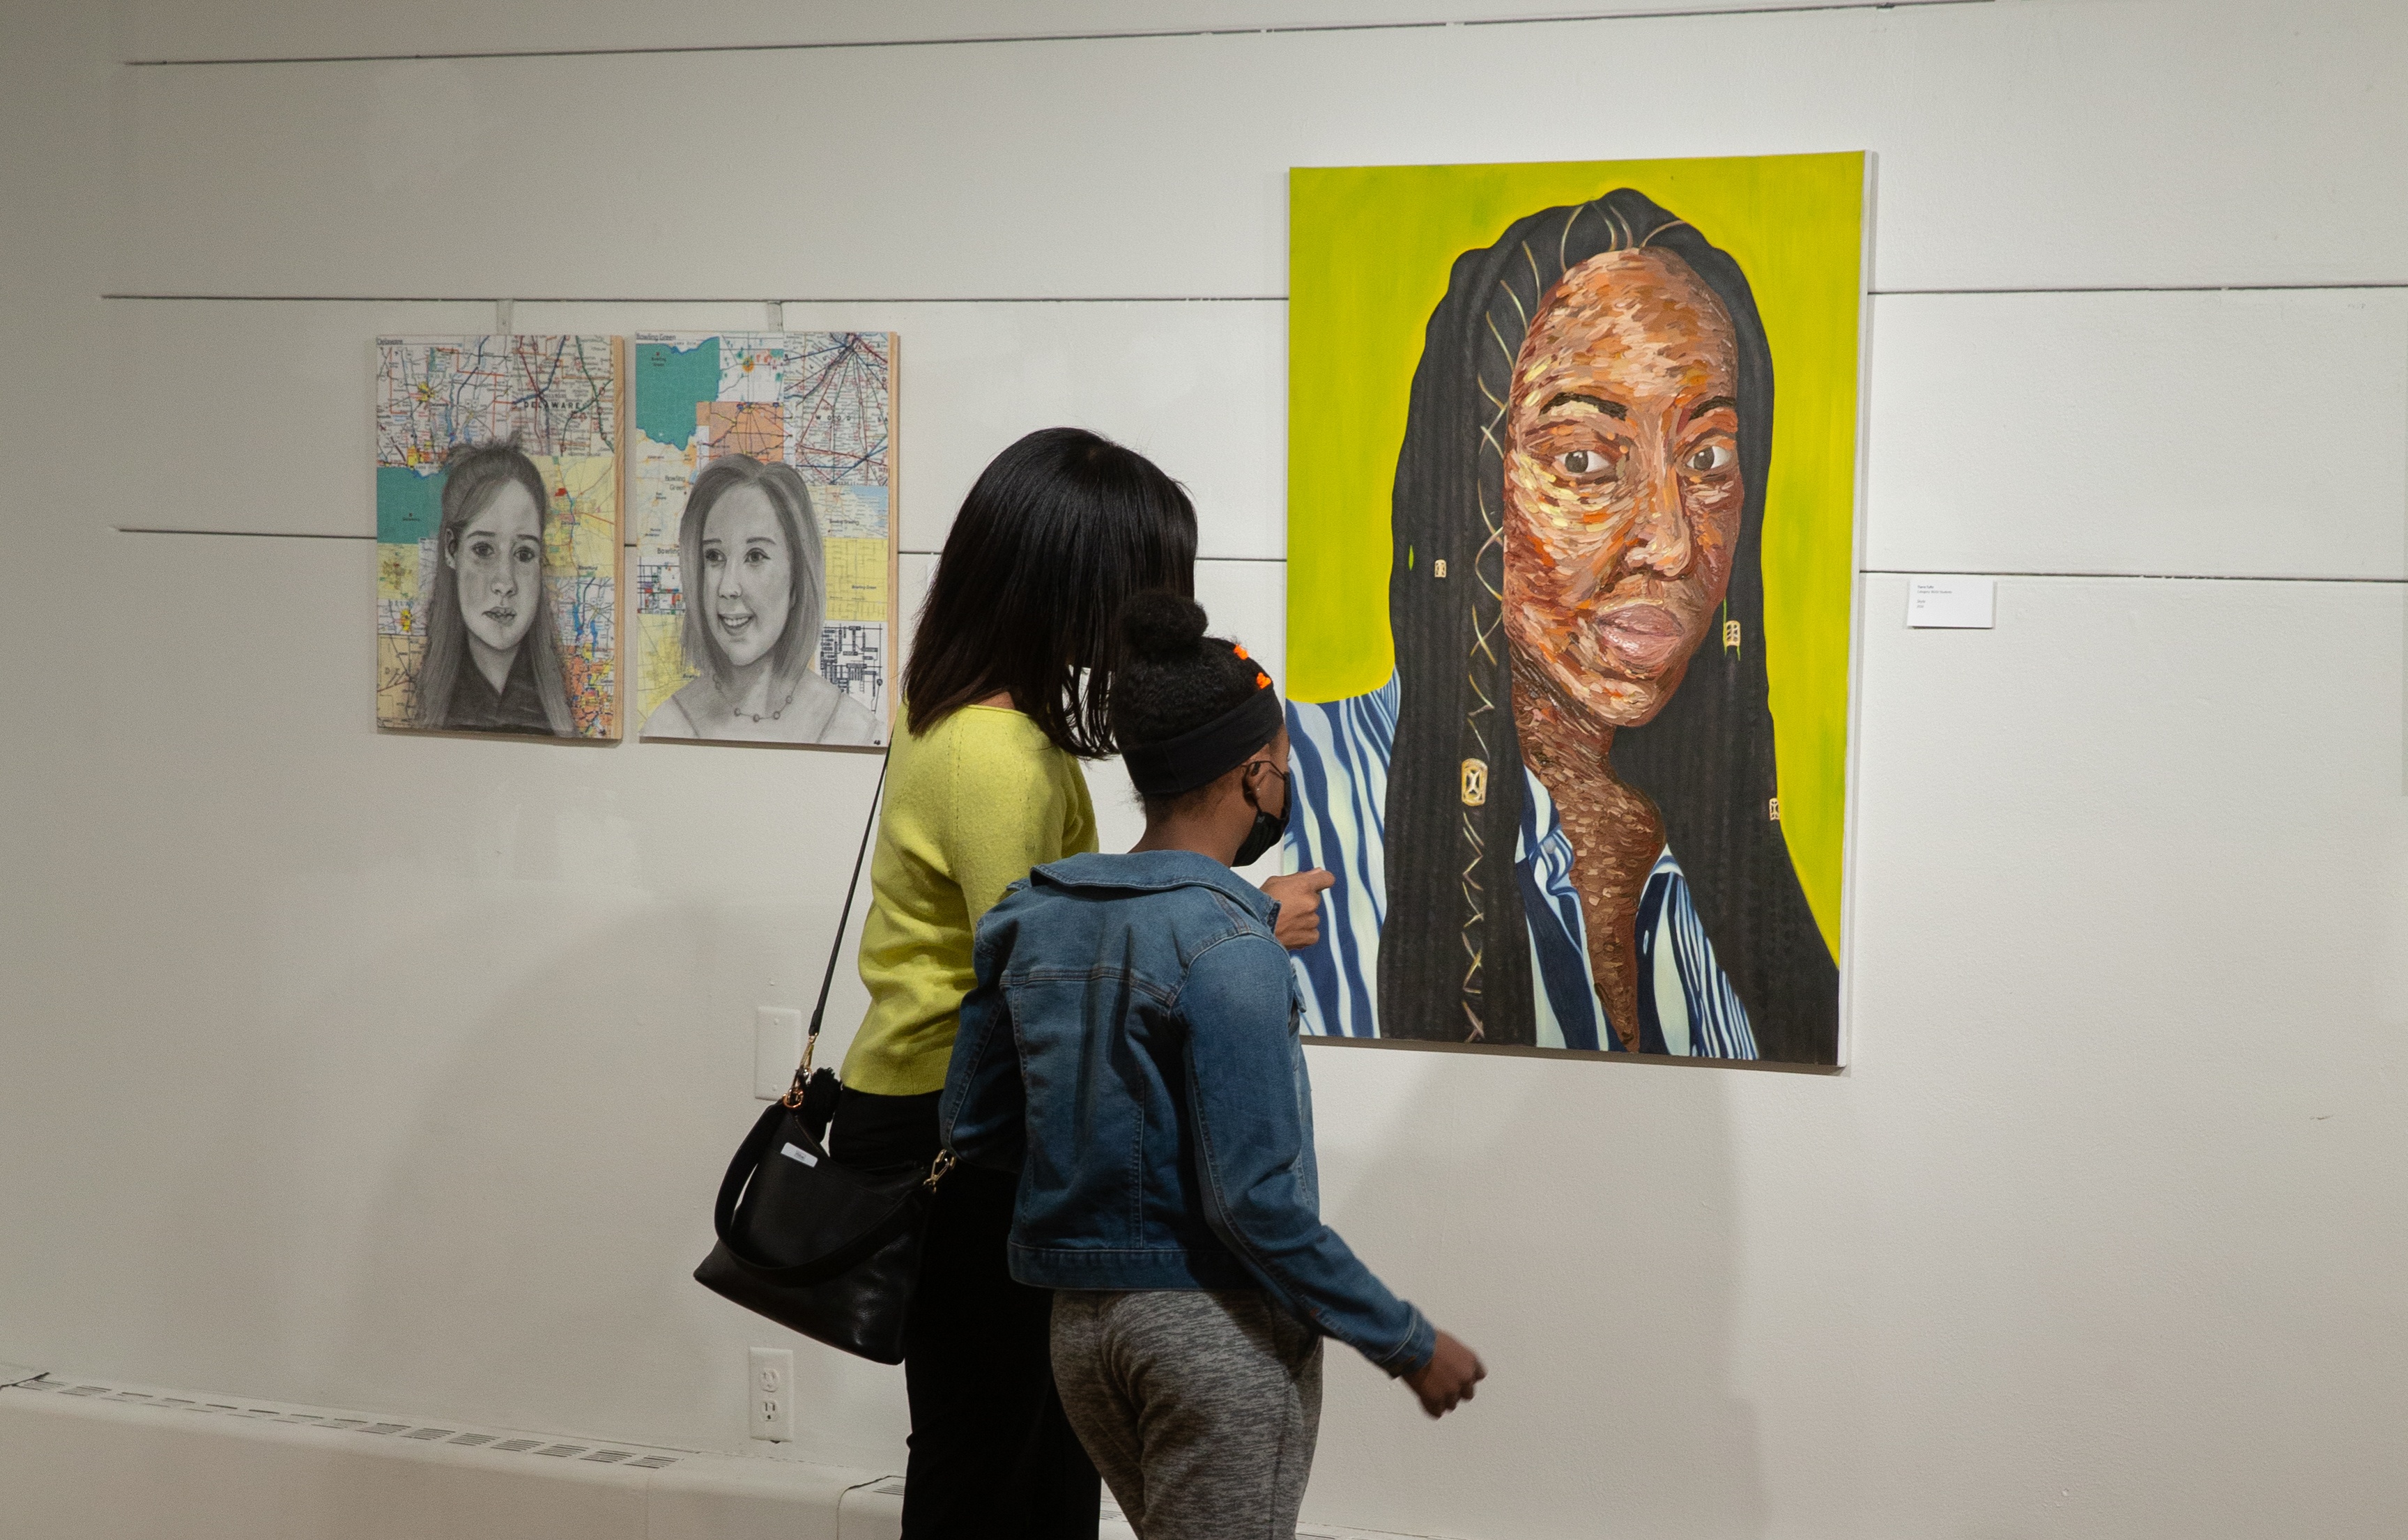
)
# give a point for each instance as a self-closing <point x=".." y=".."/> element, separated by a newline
<point x="1131" y="1046"/>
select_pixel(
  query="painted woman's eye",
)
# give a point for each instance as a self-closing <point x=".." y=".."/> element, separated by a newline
<point x="713" y="558"/>
<point x="1708" y="458"/>
<point x="482" y="550"/>
<point x="756" y="558"/>
<point x="526" y="554"/>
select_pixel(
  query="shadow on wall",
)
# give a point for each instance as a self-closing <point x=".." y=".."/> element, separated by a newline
<point x="489" y="1157"/>
<point x="1576" y="1224"/>
<point x="509" y="1160"/>
<point x="456" y="1149"/>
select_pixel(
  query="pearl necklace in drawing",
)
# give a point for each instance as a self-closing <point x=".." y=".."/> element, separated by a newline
<point x="759" y="715"/>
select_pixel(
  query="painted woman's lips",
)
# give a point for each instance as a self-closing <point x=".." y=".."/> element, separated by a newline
<point x="734" y="623"/>
<point x="1645" y="636"/>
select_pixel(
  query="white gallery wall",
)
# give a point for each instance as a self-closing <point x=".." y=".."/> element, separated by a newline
<point x="397" y="1072"/>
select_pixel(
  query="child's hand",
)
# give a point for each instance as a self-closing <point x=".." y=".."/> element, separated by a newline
<point x="1299" y="897"/>
<point x="1447" y="1377"/>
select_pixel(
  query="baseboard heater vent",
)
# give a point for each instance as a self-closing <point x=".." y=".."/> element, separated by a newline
<point x="333" y="1421"/>
<point x="708" y="1497"/>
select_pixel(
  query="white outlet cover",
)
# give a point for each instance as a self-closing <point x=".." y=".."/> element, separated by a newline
<point x="769" y="1393"/>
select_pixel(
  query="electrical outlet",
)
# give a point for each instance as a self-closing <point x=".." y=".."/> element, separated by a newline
<point x="776" y="1048"/>
<point x="770" y="1385"/>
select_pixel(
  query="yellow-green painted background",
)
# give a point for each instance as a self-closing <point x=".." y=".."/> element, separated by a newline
<point x="1369" y="250"/>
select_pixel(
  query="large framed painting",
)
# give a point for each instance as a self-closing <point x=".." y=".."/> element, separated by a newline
<point x="764" y="554"/>
<point x="497" y="464"/>
<point x="1572" y="489"/>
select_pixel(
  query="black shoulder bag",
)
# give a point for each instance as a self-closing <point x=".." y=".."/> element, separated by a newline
<point x="816" y="1247"/>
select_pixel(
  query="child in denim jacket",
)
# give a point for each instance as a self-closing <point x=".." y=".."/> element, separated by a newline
<point x="1132" y="1049"/>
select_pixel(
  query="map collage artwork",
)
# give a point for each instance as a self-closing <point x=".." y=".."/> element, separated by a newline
<point x="752" y="473"/>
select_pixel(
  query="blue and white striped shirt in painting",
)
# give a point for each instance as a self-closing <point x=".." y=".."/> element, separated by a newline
<point x="1342" y="751"/>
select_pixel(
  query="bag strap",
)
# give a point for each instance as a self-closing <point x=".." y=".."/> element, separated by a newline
<point x="794" y="1097"/>
<point x="795" y="1093"/>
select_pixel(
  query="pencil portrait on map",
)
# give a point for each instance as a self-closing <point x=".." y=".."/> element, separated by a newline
<point x="497" y="535"/>
<point x="1583" y="789"/>
<point x="764" y="475"/>
<point x="756" y="587"/>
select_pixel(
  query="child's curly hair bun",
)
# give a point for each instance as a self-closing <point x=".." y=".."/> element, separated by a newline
<point x="1172" y="676"/>
<point x="1162" y="627"/>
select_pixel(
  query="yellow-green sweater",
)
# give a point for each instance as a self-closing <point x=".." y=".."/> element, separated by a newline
<point x="969" y="809"/>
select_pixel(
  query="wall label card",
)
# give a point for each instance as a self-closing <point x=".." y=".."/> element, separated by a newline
<point x="1961" y="603"/>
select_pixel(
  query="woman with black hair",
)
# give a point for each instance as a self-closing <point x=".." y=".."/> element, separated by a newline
<point x="1558" y="823"/>
<point x="1009" y="686"/>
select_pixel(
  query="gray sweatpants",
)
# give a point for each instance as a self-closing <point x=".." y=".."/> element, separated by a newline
<point x="1201" y="1409"/>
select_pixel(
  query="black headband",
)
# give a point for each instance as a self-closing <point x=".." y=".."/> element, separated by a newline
<point x="1202" y="754"/>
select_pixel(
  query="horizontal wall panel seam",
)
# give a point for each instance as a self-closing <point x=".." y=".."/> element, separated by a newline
<point x="2131" y="576"/>
<point x="2369" y="285"/>
<point x="721" y="299"/>
<point x="1194" y="194"/>
<point x="243" y="534"/>
<point x="327" y="534"/>
<point x="1200" y="390"/>
<point x="1282" y="561"/>
<point x="2335" y="285"/>
<point x="1009" y="40"/>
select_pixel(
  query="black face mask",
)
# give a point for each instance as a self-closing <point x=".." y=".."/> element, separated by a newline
<point x="1266" y="830"/>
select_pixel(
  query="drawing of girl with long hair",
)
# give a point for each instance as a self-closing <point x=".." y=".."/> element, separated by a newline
<point x="1556" y="825"/>
<point x="493" y="661"/>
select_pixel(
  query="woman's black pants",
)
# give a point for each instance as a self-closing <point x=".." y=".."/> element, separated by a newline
<point x="991" y="1456"/>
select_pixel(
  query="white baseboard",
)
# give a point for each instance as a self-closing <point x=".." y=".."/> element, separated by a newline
<point x="84" y="1461"/>
<point x="88" y="1459"/>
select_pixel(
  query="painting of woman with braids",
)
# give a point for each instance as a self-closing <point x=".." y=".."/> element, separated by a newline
<point x="1558" y="823"/>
